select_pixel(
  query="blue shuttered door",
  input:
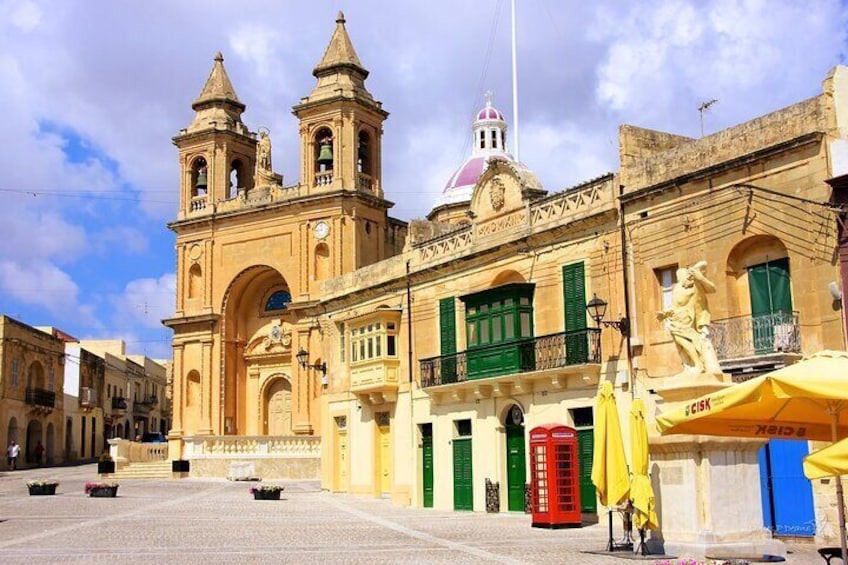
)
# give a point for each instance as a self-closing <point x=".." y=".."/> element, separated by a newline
<point x="787" y="494"/>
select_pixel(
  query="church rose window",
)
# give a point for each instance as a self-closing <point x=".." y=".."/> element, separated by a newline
<point x="278" y="301"/>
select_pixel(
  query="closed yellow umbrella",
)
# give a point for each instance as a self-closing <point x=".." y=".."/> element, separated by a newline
<point x="641" y="490"/>
<point x="828" y="462"/>
<point x="806" y="400"/>
<point x="609" y="467"/>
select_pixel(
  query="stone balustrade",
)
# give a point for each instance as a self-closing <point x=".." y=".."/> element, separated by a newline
<point x="124" y="451"/>
<point x="250" y="447"/>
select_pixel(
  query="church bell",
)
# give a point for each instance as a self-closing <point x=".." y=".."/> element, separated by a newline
<point x="201" y="179"/>
<point x="325" y="155"/>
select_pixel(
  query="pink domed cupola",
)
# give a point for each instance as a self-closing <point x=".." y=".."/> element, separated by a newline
<point x="488" y="140"/>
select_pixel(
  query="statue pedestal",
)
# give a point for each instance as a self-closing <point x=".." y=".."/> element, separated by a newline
<point x="707" y="488"/>
<point x="708" y="497"/>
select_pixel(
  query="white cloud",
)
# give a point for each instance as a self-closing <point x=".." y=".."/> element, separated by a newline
<point x="26" y="16"/>
<point x="144" y="303"/>
<point x="39" y="283"/>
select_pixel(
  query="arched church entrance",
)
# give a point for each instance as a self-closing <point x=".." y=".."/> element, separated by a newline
<point x="258" y="342"/>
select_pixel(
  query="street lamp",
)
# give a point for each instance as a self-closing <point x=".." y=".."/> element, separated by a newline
<point x="597" y="308"/>
<point x="303" y="360"/>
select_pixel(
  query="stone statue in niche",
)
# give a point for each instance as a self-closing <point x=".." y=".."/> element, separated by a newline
<point x="688" y="320"/>
<point x="264" y="173"/>
<point x="263" y="152"/>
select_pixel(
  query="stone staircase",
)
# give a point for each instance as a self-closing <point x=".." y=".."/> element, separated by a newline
<point x="145" y="470"/>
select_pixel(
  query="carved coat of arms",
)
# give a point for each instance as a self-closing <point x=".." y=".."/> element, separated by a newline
<point x="496" y="193"/>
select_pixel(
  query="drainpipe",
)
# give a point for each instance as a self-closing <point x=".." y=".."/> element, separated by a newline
<point x="626" y="281"/>
<point x="412" y="443"/>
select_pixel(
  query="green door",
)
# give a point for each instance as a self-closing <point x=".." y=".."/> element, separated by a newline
<point x="427" y="463"/>
<point x="447" y="335"/>
<point x="771" y="301"/>
<point x="463" y="489"/>
<point x="574" y="300"/>
<point x="516" y="467"/>
<point x="585" y="443"/>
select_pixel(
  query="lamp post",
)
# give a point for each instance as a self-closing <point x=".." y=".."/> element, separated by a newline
<point x="597" y="308"/>
<point x="303" y="360"/>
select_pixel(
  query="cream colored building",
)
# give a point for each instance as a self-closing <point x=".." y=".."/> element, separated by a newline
<point x="32" y="403"/>
<point x="428" y="356"/>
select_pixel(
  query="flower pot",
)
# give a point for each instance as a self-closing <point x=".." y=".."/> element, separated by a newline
<point x="266" y="495"/>
<point x="104" y="467"/>
<point x="103" y="492"/>
<point x="41" y="490"/>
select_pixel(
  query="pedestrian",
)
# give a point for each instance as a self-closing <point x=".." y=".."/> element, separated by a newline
<point x="39" y="453"/>
<point x="12" y="452"/>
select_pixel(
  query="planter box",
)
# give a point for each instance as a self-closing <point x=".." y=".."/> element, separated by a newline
<point x="266" y="494"/>
<point x="180" y="466"/>
<point x="103" y="492"/>
<point x="42" y="490"/>
<point x="105" y="467"/>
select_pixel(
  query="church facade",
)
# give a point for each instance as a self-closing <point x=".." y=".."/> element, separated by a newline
<point x="416" y="358"/>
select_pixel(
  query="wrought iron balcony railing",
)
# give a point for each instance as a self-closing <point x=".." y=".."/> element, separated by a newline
<point x="534" y="354"/>
<point x="41" y="397"/>
<point x="750" y="336"/>
<point x="119" y="403"/>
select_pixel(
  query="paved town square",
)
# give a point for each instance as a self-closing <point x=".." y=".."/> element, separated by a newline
<point x="213" y="521"/>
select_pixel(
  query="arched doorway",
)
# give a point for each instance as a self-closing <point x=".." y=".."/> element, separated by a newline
<point x="516" y="458"/>
<point x="278" y="408"/>
<point x="50" y="444"/>
<point x="256" y="318"/>
<point x="12" y="434"/>
<point x="34" y="431"/>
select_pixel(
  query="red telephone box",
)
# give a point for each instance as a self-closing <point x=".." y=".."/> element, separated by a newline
<point x="555" y="476"/>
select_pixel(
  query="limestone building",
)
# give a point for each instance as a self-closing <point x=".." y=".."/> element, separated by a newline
<point x="251" y="250"/>
<point x="423" y="360"/>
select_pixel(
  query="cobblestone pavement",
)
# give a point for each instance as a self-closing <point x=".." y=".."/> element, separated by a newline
<point x="211" y="521"/>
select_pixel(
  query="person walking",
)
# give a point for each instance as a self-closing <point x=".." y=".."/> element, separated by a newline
<point x="39" y="453"/>
<point x="12" y="452"/>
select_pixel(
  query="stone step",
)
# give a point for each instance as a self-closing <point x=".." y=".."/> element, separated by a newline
<point x="147" y="470"/>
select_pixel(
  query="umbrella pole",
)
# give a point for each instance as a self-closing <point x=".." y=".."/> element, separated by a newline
<point x="840" y="499"/>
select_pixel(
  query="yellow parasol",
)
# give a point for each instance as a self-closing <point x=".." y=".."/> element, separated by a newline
<point x="807" y="400"/>
<point x="641" y="490"/>
<point x="828" y="462"/>
<point x="609" y="468"/>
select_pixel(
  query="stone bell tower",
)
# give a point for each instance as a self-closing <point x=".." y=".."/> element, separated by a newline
<point x="217" y="152"/>
<point x="341" y="125"/>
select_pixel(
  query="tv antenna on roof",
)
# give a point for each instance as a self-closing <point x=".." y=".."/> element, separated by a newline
<point x="702" y="108"/>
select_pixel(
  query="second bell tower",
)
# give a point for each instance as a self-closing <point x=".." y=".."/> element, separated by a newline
<point x="341" y="125"/>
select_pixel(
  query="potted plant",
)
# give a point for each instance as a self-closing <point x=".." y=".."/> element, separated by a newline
<point x="266" y="492"/>
<point x="105" y="465"/>
<point x="38" y="488"/>
<point x="101" y="490"/>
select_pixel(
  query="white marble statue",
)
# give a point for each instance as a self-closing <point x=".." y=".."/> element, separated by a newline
<point x="688" y="320"/>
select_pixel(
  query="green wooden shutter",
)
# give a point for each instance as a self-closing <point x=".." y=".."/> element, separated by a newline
<point x="427" y="464"/>
<point x="463" y="487"/>
<point x="769" y="286"/>
<point x="516" y="468"/>
<point x="585" y="450"/>
<point x="574" y="300"/>
<point x="447" y="335"/>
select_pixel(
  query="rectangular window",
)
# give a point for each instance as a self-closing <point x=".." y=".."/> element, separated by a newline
<point x="526" y="330"/>
<point x="378" y="343"/>
<point x="370" y="347"/>
<point x="472" y="333"/>
<point x="484" y="331"/>
<point x="108" y="391"/>
<point x="353" y="352"/>
<point x="362" y="350"/>
<point x="497" y="330"/>
<point x="342" y="346"/>
<point x="509" y="326"/>
<point x="390" y="346"/>
<point x="666" y="278"/>
<point x="14" y="373"/>
<point x="463" y="428"/>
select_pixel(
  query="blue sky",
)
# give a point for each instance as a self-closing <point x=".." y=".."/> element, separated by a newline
<point x="93" y="91"/>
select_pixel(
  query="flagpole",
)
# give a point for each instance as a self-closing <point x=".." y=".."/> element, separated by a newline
<point x="515" y="85"/>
